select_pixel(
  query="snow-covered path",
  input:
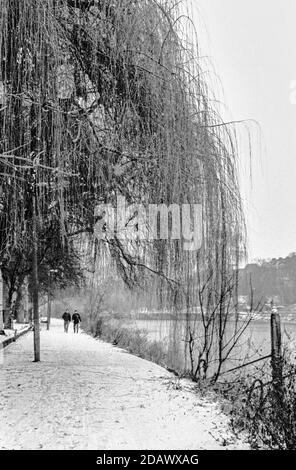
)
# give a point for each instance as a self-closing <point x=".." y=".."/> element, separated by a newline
<point x="86" y="394"/>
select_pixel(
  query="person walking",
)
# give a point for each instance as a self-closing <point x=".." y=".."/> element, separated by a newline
<point x="76" y="319"/>
<point x="67" y="318"/>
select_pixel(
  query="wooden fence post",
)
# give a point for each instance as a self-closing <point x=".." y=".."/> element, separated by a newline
<point x="276" y="356"/>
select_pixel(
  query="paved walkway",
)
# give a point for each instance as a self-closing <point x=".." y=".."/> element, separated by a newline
<point x="86" y="394"/>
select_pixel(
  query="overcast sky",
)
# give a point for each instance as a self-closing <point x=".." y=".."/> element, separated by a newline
<point x="253" y="48"/>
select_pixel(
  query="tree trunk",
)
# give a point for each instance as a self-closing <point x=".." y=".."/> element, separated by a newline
<point x="19" y="308"/>
<point x="1" y="304"/>
<point x="35" y="286"/>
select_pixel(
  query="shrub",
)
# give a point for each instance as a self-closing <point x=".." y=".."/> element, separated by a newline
<point x="268" y="416"/>
<point x="133" y="340"/>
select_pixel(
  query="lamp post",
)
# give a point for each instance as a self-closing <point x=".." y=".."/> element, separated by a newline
<point x="51" y="273"/>
<point x="48" y="309"/>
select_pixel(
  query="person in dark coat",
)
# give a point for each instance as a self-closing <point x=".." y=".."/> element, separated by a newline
<point x="67" y="318"/>
<point x="76" y="319"/>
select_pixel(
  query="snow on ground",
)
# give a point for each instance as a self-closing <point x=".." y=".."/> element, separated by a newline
<point x="86" y="394"/>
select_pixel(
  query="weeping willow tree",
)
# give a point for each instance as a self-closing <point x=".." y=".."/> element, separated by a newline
<point x="101" y="99"/>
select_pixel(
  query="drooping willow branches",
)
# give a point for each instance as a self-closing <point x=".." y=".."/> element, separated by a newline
<point x="105" y="98"/>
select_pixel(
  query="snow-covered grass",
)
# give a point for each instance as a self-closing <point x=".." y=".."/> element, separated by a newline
<point x="133" y="340"/>
<point x="17" y="328"/>
<point x="86" y="394"/>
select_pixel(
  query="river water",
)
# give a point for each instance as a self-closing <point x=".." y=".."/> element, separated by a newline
<point x="254" y="343"/>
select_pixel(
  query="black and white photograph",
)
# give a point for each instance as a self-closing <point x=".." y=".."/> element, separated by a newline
<point x="147" y="230"/>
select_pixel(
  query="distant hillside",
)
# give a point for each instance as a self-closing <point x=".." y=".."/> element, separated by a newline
<point x="274" y="278"/>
